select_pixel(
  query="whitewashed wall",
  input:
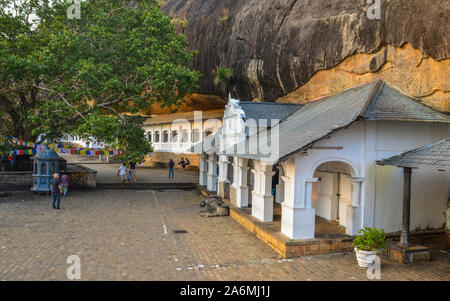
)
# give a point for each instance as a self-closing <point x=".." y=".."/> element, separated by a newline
<point x="363" y="143"/>
<point x="177" y="145"/>
<point x="430" y="189"/>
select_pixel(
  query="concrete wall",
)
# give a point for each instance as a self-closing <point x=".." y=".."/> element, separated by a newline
<point x="430" y="189"/>
<point x="16" y="178"/>
<point x="161" y="159"/>
<point x="80" y="177"/>
<point x="176" y="149"/>
<point x="178" y="145"/>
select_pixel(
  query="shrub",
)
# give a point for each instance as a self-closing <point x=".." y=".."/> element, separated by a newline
<point x="370" y="239"/>
<point x="180" y="23"/>
<point x="223" y="75"/>
<point x="223" y="20"/>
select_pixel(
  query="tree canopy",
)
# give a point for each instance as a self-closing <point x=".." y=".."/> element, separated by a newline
<point x="89" y="76"/>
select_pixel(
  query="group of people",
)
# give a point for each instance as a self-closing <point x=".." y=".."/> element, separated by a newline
<point x="59" y="187"/>
<point x="127" y="173"/>
<point x="182" y="162"/>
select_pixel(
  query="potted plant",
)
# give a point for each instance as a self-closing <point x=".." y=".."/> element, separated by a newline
<point x="368" y="244"/>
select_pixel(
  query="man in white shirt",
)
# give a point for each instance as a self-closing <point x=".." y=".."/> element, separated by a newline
<point x="122" y="172"/>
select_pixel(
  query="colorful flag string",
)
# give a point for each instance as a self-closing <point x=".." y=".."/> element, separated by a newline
<point x="60" y="148"/>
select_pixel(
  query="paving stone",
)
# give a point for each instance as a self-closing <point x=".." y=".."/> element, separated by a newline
<point x="119" y="235"/>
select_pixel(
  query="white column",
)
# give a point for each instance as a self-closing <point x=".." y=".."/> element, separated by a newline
<point x="223" y="175"/>
<point x="240" y="182"/>
<point x="356" y="191"/>
<point x="279" y="194"/>
<point x="212" y="173"/>
<point x="203" y="170"/>
<point x="353" y="218"/>
<point x="308" y="192"/>
<point x="262" y="199"/>
<point x="298" y="218"/>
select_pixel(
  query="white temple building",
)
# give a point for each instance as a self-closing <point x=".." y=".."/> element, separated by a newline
<point x="323" y="155"/>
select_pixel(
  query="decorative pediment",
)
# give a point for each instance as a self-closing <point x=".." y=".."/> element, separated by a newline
<point x="233" y="109"/>
<point x="233" y="119"/>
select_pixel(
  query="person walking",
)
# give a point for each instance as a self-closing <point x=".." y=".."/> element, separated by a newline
<point x="133" y="171"/>
<point x="64" y="183"/>
<point x="171" y="166"/>
<point x="122" y="172"/>
<point x="55" y="187"/>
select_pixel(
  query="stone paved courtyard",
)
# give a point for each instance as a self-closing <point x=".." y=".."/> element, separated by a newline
<point x="119" y="235"/>
<point x="107" y="173"/>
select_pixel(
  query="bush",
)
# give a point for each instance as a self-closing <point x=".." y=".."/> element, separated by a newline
<point x="370" y="239"/>
<point x="223" y="75"/>
<point x="223" y="20"/>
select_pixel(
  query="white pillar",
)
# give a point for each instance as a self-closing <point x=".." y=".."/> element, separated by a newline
<point x="212" y="173"/>
<point x="308" y="192"/>
<point x="353" y="212"/>
<point x="240" y="182"/>
<point x="298" y="218"/>
<point x="262" y="199"/>
<point x="203" y="170"/>
<point x="223" y="175"/>
<point x="356" y="191"/>
<point x="279" y="194"/>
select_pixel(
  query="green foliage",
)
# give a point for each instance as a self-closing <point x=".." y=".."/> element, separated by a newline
<point x="223" y="75"/>
<point x="63" y="76"/>
<point x="125" y="133"/>
<point x="5" y="147"/>
<point x="370" y="239"/>
<point x="181" y="23"/>
<point x="223" y="20"/>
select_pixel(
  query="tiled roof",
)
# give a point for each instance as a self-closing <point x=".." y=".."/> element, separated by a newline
<point x="268" y="110"/>
<point x="320" y="118"/>
<point x="391" y="104"/>
<point x="436" y="155"/>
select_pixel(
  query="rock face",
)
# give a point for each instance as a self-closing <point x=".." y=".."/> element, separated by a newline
<point x="404" y="67"/>
<point x="276" y="46"/>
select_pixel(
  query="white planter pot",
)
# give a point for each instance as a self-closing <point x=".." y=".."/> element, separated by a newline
<point x="365" y="258"/>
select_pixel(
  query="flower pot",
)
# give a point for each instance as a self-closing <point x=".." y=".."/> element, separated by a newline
<point x="365" y="258"/>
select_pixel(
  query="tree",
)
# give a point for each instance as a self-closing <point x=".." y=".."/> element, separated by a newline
<point x="125" y="134"/>
<point x="58" y="75"/>
<point x="223" y="76"/>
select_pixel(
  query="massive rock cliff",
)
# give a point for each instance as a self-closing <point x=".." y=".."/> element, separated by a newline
<point x="294" y="50"/>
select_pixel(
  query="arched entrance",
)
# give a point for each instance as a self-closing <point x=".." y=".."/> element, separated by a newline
<point x="332" y="194"/>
